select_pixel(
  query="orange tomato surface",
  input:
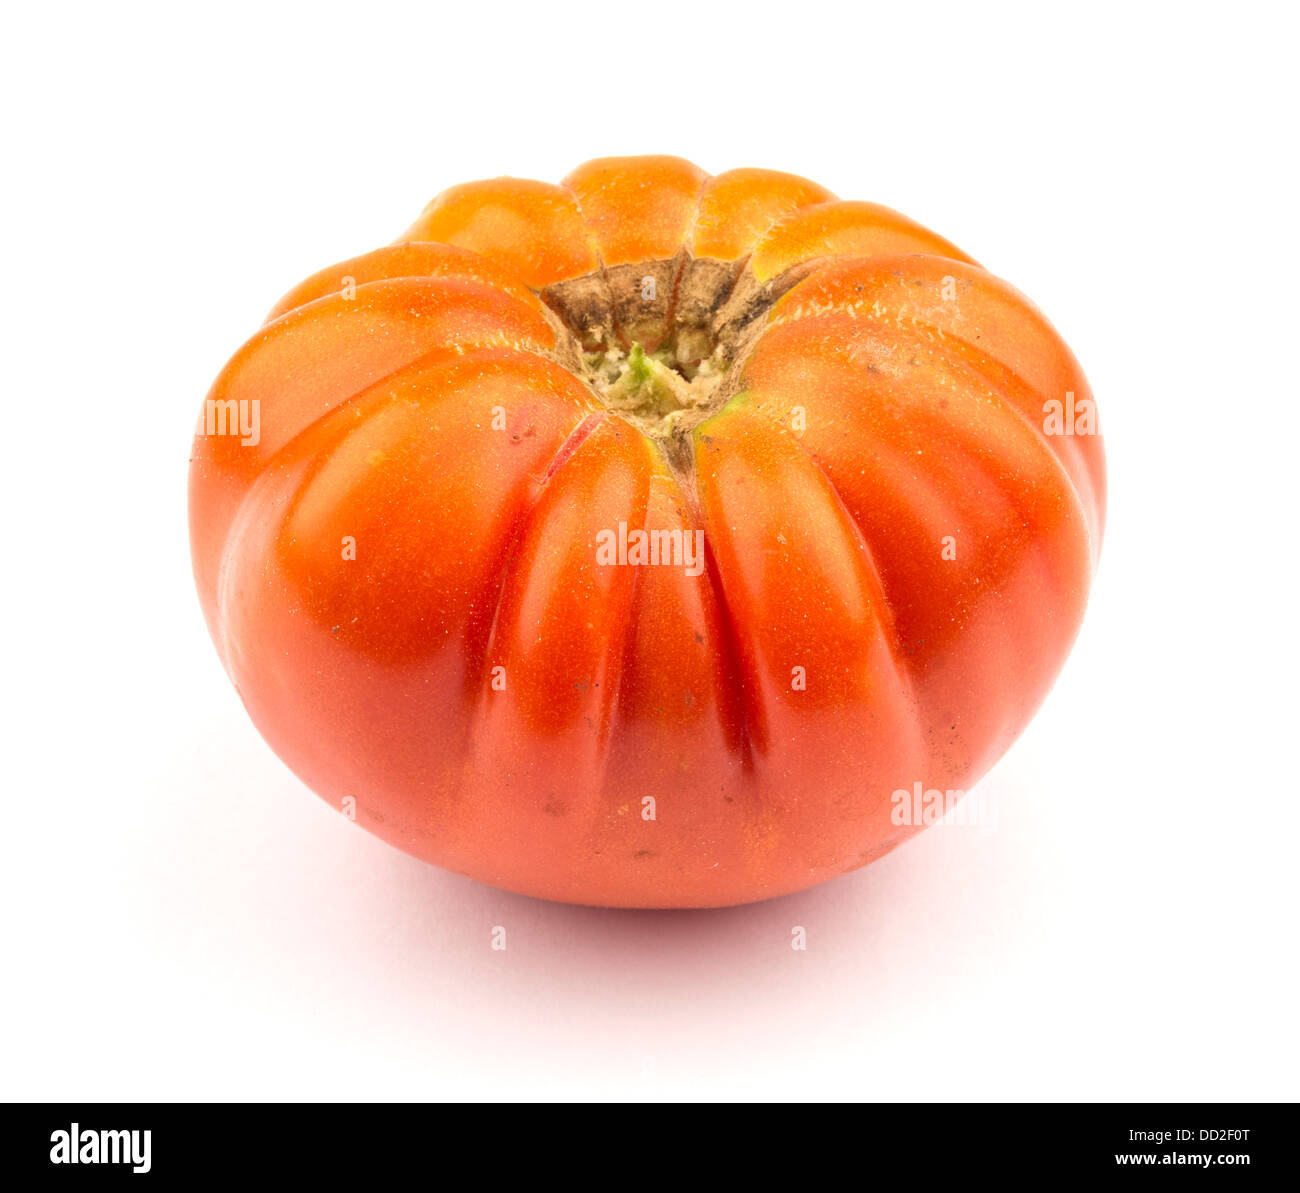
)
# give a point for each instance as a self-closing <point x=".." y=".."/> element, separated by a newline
<point x="635" y="541"/>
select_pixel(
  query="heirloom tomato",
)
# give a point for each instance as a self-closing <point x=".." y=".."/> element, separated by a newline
<point x="649" y="539"/>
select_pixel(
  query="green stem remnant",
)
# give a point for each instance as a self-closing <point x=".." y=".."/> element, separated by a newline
<point x="648" y="388"/>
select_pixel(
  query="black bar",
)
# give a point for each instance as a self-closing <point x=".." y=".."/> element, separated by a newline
<point x="1244" y="1142"/>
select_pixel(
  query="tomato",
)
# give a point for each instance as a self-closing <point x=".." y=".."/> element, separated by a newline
<point x="639" y="541"/>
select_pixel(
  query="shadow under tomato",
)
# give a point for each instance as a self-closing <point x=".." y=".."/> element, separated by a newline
<point x="679" y="993"/>
<point x="267" y="900"/>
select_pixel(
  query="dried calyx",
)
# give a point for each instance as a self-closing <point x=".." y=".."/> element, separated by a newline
<point x="661" y="342"/>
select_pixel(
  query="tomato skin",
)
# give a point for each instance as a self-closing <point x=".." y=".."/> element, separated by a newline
<point x="498" y="701"/>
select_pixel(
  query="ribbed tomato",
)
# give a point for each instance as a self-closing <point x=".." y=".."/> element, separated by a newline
<point x="634" y="541"/>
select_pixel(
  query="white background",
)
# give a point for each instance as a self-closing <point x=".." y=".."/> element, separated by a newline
<point x="182" y="919"/>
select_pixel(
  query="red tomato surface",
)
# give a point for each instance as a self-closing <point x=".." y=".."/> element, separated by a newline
<point x="418" y="557"/>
